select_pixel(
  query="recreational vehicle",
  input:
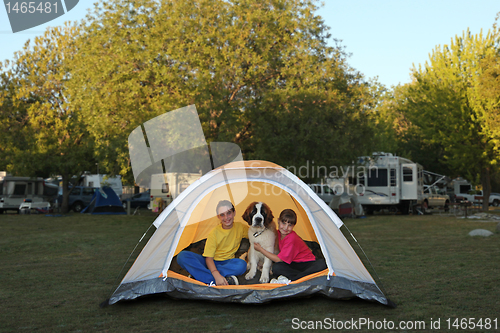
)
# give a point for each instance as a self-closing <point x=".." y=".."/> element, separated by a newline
<point x="385" y="181"/>
<point x="101" y="180"/>
<point x="464" y="191"/>
<point x="14" y="191"/>
<point x="165" y="187"/>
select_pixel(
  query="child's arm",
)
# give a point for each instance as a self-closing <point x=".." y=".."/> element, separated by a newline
<point x="219" y="279"/>
<point x="268" y="254"/>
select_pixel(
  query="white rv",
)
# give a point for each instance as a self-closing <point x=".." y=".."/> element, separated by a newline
<point x="165" y="187"/>
<point x="385" y="181"/>
<point x="101" y="180"/>
<point x="15" y="191"/>
<point x="464" y="191"/>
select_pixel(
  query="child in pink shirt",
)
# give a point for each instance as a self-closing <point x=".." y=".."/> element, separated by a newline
<point x="295" y="260"/>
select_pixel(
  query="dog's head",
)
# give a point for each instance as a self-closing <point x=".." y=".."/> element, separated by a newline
<point x="258" y="214"/>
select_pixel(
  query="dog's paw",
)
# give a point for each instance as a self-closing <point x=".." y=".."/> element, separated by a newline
<point x="250" y="275"/>
<point x="264" y="279"/>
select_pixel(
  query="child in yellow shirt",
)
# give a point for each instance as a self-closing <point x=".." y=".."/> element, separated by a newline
<point x="218" y="265"/>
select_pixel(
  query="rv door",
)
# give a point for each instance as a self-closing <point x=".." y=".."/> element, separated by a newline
<point x="409" y="185"/>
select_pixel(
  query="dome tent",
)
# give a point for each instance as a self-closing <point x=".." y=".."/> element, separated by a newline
<point x="104" y="202"/>
<point x="191" y="216"/>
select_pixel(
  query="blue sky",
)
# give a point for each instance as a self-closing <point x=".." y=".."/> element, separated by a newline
<point x="385" y="37"/>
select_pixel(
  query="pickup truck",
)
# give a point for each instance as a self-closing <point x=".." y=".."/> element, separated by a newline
<point x="434" y="197"/>
<point x="477" y="197"/>
<point x="79" y="198"/>
<point x="323" y="191"/>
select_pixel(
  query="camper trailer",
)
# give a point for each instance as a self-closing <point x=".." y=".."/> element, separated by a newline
<point x="165" y="187"/>
<point x="385" y="181"/>
<point x="101" y="180"/>
<point x="464" y="191"/>
<point x="15" y="191"/>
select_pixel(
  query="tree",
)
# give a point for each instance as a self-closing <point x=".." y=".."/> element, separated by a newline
<point x="42" y="132"/>
<point x="397" y="134"/>
<point x="253" y="69"/>
<point x="442" y="103"/>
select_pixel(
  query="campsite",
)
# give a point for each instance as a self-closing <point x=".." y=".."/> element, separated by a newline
<point x="56" y="270"/>
<point x="239" y="105"/>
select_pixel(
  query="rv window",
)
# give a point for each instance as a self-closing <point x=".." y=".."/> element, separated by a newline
<point x="182" y="187"/>
<point x="465" y="188"/>
<point x="19" y="189"/>
<point x="407" y="174"/>
<point x="377" y="177"/>
<point x="1" y="187"/>
<point x="361" y="180"/>
<point x="50" y="191"/>
<point x="164" y="188"/>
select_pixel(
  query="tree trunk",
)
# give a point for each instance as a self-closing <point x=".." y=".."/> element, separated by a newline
<point x="65" y="194"/>
<point x="486" y="183"/>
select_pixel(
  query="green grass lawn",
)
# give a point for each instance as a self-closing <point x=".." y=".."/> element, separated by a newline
<point x="55" y="271"/>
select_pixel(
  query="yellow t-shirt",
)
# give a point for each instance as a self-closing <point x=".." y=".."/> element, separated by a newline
<point x="222" y="244"/>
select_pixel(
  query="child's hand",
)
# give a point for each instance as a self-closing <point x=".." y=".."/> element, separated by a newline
<point x="220" y="280"/>
<point x="257" y="247"/>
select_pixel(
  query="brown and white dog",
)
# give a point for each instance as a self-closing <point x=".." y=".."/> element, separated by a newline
<point x="263" y="231"/>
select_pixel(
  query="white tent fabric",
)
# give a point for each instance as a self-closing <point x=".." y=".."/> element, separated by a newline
<point x="192" y="214"/>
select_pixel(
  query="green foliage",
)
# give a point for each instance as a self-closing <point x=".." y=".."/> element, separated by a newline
<point x="399" y="135"/>
<point x="261" y="75"/>
<point x="253" y="69"/>
<point x="440" y="102"/>
<point x="41" y="129"/>
<point x="443" y="109"/>
<point x="486" y="101"/>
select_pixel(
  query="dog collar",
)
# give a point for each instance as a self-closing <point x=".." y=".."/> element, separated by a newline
<point x="258" y="233"/>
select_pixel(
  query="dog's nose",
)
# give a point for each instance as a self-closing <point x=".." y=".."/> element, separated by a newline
<point x="258" y="219"/>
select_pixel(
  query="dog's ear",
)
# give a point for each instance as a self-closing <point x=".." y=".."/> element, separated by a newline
<point x="269" y="215"/>
<point x="246" y="214"/>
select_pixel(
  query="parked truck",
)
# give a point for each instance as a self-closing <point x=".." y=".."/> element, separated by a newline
<point x="324" y="191"/>
<point x="385" y="181"/>
<point x="464" y="191"/>
<point x="476" y="196"/>
<point x="15" y="191"/>
<point x="435" y="197"/>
